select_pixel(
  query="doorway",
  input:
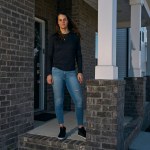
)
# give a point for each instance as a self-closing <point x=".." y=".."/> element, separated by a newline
<point x="39" y="64"/>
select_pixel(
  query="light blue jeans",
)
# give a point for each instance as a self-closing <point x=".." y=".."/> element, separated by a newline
<point x="60" y="78"/>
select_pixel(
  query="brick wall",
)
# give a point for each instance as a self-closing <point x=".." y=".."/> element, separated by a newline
<point x="16" y="70"/>
<point x="65" y="5"/>
<point x="135" y="94"/>
<point x="147" y="88"/>
<point x="146" y="121"/>
<point x="39" y="142"/>
<point x="135" y="97"/>
<point x="105" y="114"/>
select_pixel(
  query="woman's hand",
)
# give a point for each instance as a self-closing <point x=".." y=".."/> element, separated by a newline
<point x="80" y="77"/>
<point x="49" y="79"/>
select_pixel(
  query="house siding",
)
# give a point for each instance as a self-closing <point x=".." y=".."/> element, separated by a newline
<point x="121" y="52"/>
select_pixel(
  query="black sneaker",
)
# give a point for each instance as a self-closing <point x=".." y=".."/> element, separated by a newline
<point x="82" y="132"/>
<point x="62" y="133"/>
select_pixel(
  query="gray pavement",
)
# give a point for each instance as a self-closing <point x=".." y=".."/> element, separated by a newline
<point x="141" y="142"/>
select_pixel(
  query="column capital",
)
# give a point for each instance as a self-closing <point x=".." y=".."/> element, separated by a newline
<point x="136" y="2"/>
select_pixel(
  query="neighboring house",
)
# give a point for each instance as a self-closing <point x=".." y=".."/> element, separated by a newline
<point x="123" y="51"/>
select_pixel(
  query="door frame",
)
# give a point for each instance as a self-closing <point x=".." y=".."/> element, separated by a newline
<point x="42" y="69"/>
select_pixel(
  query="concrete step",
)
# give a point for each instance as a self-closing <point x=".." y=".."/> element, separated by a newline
<point x="51" y="128"/>
<point x="141" y="142"/>
<point x="44" y="136"/>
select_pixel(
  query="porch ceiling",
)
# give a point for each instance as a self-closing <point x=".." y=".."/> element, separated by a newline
<point x="123" y="12"/>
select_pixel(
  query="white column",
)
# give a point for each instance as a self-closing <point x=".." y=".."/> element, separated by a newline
<point x="148" y="52"/>
<point x="107" y="20"/>
<point x="135" y="57"/>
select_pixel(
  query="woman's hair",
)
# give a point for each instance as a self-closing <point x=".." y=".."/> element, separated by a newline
<point x="71" y="25"/>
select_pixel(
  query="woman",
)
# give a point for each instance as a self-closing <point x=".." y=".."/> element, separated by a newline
<point x="64" y="51"/>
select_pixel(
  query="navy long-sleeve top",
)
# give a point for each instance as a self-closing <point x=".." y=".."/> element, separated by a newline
<point x="64" y="52"/>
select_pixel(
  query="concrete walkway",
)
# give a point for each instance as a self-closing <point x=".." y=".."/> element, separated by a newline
<point x="141" y="142"/>
<point x="51" y="128"/>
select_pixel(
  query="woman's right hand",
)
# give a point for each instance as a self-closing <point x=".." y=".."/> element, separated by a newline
<point x="49" y="79"/>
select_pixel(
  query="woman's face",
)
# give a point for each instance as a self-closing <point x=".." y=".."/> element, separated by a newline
<point x="62" y="21"/>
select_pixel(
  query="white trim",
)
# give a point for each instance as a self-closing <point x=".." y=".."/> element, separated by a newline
<point x="106" y="72"/>
<point x="136" y="2"/>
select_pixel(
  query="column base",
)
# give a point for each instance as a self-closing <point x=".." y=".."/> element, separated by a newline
<point x="135" y="72"/>
<point x="106" y="72"/>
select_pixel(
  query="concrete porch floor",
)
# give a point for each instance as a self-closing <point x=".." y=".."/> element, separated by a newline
<point x="51" y="128"/>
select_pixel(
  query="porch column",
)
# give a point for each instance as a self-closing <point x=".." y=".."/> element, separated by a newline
<point x="107" y="13"/>
<point x="135" y="61"/>
<point x="105" y="114"/>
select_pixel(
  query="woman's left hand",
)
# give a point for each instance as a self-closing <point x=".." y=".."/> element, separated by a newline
<point x="80" y="77"/>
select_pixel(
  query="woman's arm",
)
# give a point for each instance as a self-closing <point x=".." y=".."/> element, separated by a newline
<point x="50" y="61"/>
<point x="79" y="61"/>
<point x="50" y="56"/>
<point x="79" y="56"/>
